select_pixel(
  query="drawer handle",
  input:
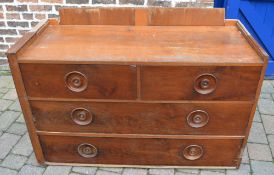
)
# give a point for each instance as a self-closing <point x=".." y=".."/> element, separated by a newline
<point x="76" y="81"/>
<point x="87" y="150"/>
<point x="193" y="152"/>
<point x="205" y="84"/>
<point x="197" y="119"/>
<point x="81" y="116"/>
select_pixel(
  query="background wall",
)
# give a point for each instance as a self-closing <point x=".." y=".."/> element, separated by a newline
<point x="19" y="16"/>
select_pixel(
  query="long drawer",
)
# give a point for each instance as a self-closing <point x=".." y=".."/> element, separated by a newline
<point x="141" y="151"/>
<point x="79" y="81"/>
<point x="199" y="82"/>
<point x="142" y="118"/>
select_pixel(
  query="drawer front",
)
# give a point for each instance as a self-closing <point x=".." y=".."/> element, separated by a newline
<point x="142" y="118"/>
<point x="199" y="83"/>
<point x="80" y="81"/>
<point x="137" y="151"/>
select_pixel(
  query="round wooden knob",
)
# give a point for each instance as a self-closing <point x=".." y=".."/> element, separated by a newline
<point x="205" y="84"/>
<point x="76" y="81"/>
<point x="197" y="119"/>
<point x="87" y="150"/>
<point x="193" y="152"/>
<point x="81" y="116"/>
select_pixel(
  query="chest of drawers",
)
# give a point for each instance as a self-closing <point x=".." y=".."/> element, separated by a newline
<point x="168" y="87"/>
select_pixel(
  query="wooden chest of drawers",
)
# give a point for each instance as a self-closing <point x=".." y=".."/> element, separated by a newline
<point x="166" y="87"/>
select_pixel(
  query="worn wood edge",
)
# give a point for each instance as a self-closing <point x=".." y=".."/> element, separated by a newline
<point x="29" y="61"/>
<point x="141" y="136"/>
<point x="140" y="166"/>
<point x="27" y="37"/>
<point x="231" y="22"/>
<point x="136" y="101"/>
<point x="53" y="21"/>
<point x="253" y="43"/>
<point x="22" y="96"/>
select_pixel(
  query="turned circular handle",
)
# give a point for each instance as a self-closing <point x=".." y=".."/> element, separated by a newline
<point x="81" y="116"/>
<point x="205" y="83"/>
<point x="197" y="119"/>
<point x="76" y="81"/>
<point x="193" y="152"/>
<point x="87" y="150"/>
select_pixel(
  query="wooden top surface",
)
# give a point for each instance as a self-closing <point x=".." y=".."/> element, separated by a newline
<point x="140" y="45"/>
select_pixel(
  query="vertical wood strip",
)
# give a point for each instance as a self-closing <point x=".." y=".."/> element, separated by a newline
<point x="18" y="81"/>
<point x="141" y="17"/>
<point x="138" y="82"/>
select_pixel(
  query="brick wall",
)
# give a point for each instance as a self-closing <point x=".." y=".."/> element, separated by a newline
<point x="19" y="16"/>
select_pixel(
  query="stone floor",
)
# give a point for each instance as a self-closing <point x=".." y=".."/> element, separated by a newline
<point x="16" y="154"/>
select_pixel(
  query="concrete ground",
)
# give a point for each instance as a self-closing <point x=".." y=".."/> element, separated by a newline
<point x="16" y="153"/>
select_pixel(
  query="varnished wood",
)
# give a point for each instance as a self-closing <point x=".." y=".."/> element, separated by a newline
<point x="140" y="151"/>
<point x="142" y="16"/>
<point x="139" y="118"/>
<point x="103" y="81"/>
<point x="177" y="83"/>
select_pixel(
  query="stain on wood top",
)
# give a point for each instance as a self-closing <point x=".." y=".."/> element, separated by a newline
<point x="140" y="45"/>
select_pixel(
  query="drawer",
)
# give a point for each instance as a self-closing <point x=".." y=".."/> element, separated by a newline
<point x="141" y="151"/>
<point x="142" y="118"/>
<point x="199" y="83"/>
<point x="79" y="81"/>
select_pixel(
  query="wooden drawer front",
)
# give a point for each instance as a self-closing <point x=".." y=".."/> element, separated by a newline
<point x="137" y="151"/>
<point x="141" y="118"/>
<point x="199" y="83"/>
<point x="80" y="81"/>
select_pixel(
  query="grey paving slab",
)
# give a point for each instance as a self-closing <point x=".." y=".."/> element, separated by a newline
<point x="85" y="170"/>
<point x="6" y="171"/>
<point x="21" y="119"/>
<point x="183" y="173"/>
<point x="31" y="170"/>
<point x="243" y="170"/>
<point x="14" y="161"/>
<point x="3" y="90"/>
<point x="102" y="172"/>
<point x="257" y="117"/>
<point x="17" y="128"/>
<point x="259" y="152"/>
<point x="268" y="122"/>
<point x="257" y="133"/>
<point x="116" y="170"/>
<point x="32" y="160"/>
<point x="7" y="118"/>
<point x="267" y="87"/>
<point x="60" y="170"/>
<point x="15" y="106"/>
<point x="265" y="96"/>
<point x="271" y="143"/>
<point x="74" y="173"/>
<point x="208" y="172"/>
<point x="266" y="106"/>
<point x="262" y="168"/>
<point x="4" y="104"/>
<point x="10" y="95"/>
<point x="159" y="171"/>
<point x="245" y="157"/>
<point x="184" y="170"/>
<point x="23" y="147"/>
<point x="134" y="171"/>
<point x="6" y="82"/>
<point x="7" y="141"/>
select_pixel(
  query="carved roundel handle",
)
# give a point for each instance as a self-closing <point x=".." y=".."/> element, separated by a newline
<point x="205" y="84"/>
<point x="87" y="150"/>
<point x="197" y="119"/>
<point x="81" y="116"/>
<point x="76" y="81"/>
<point x="193" y="152"/>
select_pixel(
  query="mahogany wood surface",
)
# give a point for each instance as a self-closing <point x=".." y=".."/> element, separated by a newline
<point x="177" y="83"/>
<point x="103" y="81"/>
<point x="141" y="118"/>
<point x="137" y="151"/>
<point x="142" y="16"/>
<point x="165" y="45"/>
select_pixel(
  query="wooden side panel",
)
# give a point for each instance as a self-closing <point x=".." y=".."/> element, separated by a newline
<point x="135" y="151"/>
<point x="142" y="16"/>
<point x="95" y="81"/>
<point x="97" y="16"/>
<point x="142" y="118"/>
<point x="177" y="83"/>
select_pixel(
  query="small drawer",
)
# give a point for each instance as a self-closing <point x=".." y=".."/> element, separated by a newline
<point x="79" y="81"/>
<point x="141" y="151"/>
<point x="199" y="83"/>
<point x="142" y="118"/>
